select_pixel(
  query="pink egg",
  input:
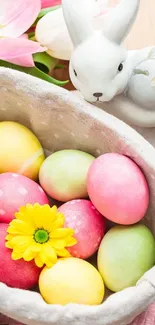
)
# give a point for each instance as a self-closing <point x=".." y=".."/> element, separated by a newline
<point x="88" y="224"/>
<point x="118" y="188"/>
<point x="17" y="274"/>
<point x="16" y="191"/>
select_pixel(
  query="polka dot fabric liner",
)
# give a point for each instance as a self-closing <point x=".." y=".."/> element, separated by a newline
<point x="61" y="120"/>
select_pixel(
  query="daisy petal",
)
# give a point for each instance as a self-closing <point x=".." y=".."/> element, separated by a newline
<point x="19" y="227"/>
<point x="62" y="252"/>
<point x="42" y="256"/>
<point x="50" y="253"/>
<point x="21" y="240"/>
<point x="58" y="243"/>
<point x="20" y="249"/>
<point x="38" y="261"/>
<point x="49" y="264"/>
<point x="54" y="210"/>
<point x="39" y="216"/>
<point x="9" y="237"/>
<point x="17" y="18"/>
<point x="9" y="245"/>
<point x="29" y="254"/>
<point x="71" y="242"/>
<point x="54" y="214"/>
<point x="62" y="232"/>
<point x="16" y="255"/>
<point x="26" y="213"/>
<point x="59" y="222"/>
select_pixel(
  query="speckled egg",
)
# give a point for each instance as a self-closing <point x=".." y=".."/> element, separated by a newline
<point x="118" y="188"/>
<point x="16" y="191"/>
<point x="88" y="224"/>
<point x="20" y="150"/>
<point x="63" y="174"/>
<point x="71" y="280"/>
<point x="17" y="274"/>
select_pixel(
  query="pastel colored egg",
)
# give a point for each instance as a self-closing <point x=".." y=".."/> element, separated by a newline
<point x="20" y="150"/>
<point x="16" y="191"/>
<point x="16" y="274"/>
<point x="125" y="254"/>
<point x="88" y="224"/>
<point x="118" y="188"/>
<point x="63" y="174"/>
<point x="71" y="280"/>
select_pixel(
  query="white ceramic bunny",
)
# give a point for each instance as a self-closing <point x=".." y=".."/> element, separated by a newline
<point x="101" y="69"/>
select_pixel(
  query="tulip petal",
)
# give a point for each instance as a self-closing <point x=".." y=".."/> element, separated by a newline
<point x="17" y="47"/>
<point x="50" y="3"/>
<point x="17" y="18"/>
<point x="19" y="51"/>
<point x="23" y="61"/>
<point x="24" y="36"/>
<point x="51" y="31"/>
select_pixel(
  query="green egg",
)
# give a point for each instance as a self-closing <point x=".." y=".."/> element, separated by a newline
<point x="125" y="254"/>
<point x="63" y="174"/>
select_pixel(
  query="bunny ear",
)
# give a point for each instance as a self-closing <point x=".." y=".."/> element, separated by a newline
<point x="77" y="15"/>
<point x="120" y="20"/>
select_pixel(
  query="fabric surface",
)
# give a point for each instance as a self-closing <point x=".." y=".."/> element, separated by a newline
<point x="61" y="120"/>
<point x="146" y="318"/>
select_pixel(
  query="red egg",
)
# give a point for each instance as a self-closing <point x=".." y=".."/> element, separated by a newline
<point x="118" y="188"/>
<point x="16" y="191"/>
<point x="16" y="274"/>
<point x="88" y="224"/>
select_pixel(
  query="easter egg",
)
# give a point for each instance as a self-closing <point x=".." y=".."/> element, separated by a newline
<point x="16" y="191"/>
<point x="16" y="274"/>
<point x="118" y="188"/>
<point x="125" y="254"/>
<point x="71" y="280"/>
<point x="20" y="150"/>
<point x="63" y="174"/>
<point x="88" y="225"/>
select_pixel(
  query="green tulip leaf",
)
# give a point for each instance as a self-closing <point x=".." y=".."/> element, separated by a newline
<point x="44" y="62"/>
<point x="31" y="35"/>
<point x="45" y="11"/>
<point x="34" y="71"/>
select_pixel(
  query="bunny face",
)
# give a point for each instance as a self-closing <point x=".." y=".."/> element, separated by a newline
<point x="98" y="65"/>
<point x="102" y="72"/>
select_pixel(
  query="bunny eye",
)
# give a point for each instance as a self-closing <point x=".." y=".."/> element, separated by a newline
<point x="120" y="68"/>
<point x="75" y="73"/>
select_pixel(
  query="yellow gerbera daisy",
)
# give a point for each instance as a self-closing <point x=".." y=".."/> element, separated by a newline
<point x="37" y="233"/>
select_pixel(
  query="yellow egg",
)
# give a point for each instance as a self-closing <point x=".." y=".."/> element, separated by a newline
<point x="20" y="150"/>
<point x="71" y="280"/>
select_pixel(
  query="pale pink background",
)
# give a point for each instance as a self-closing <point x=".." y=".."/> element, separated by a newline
<point x="143" y="31"/>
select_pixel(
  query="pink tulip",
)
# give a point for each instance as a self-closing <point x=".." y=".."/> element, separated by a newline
<point x="50" y="3"/>
<point x="15" y="19"/>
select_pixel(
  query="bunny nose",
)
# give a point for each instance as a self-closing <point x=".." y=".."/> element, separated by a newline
<point x="97" y="95"/>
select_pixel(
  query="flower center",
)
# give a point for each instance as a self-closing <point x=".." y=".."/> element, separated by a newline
<point x="41" y="236"/>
